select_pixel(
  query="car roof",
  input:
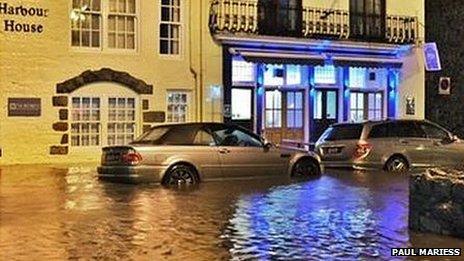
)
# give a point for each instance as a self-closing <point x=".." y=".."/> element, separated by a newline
<point x="375" y="122"/>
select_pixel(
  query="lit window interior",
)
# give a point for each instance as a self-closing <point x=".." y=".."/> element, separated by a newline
<point x="242" y="71"/>
<point x="325" y="75"/>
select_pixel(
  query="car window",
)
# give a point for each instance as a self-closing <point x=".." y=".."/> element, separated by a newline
<point x="234" y="137"/>
<point x="434" y="132"/>
<point x="405" y="129"/>
<point x="343" y="132"/>
<point x="152" y="136"/>
<point x="203" y="138"/>
<point x="179" y="135"/>
<point x="379" y="131"/>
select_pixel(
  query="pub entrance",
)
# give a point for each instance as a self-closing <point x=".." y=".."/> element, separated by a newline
<point x="325" y="111"/>
<point x="284" y="115"/>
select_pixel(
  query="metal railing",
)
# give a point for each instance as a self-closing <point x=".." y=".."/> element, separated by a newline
<point x="241" y="16"/>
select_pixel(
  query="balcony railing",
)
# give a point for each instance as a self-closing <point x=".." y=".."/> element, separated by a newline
<point x="241" y="17"/>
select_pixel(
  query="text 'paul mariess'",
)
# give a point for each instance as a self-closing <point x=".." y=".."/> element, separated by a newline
<point x="11" y="25"/>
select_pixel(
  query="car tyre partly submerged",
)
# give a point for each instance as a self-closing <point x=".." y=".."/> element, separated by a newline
<point x="397" y="164"/>
<point x="305" y="168"/>
<point x="180" y="174"/>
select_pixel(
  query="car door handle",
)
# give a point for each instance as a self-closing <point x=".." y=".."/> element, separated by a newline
<point x="224" y="151"/>
<point x="404" y="142"/>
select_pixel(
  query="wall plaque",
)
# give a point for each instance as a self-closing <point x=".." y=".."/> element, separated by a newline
<point x="24" y="107"/>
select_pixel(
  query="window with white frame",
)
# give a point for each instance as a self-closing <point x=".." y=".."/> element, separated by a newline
<point x="177" y="106"/>
<point x="357" y="77"/>
<point x="366" y="106"/>
<point x="118" y="16"/>
<point x="273" y="109"/>
<point x="293" y="74"/>
<point x="295" y="114"/>
<point x="170" y="28"/>
<point x="121" y="121"/>
<point x="242" y="71"/>
<point x="356" y="106"/>
<point x="86" y="125"/>
<point x="100" y="122"/>
<point x="122" y="20"/>
<point x="274" y="75"/>
<point x="375" y="106"/>
<point x="325" y="75"/>
<point x="86" y="23"/>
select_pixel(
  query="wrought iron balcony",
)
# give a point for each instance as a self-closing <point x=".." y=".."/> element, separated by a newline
<point x="242" y="17"/>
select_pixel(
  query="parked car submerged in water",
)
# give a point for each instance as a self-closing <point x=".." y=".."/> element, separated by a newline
<point x="392" y="145"/>
<point x="190" y="153"/>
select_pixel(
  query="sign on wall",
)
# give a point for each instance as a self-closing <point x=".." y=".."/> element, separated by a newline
<point x="444" y="86"/>
<point x="16" y="18"/>
<point x="24" y="107"/>
<point x="432" y="58"/>
<point x="410" y="105"/>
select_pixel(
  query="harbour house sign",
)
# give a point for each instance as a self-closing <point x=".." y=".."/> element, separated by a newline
<point x="12" y="13"/>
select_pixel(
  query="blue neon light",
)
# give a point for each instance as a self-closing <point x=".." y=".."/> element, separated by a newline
<point x="393" y="84"/>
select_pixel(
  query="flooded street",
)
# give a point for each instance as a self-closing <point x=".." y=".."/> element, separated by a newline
<point x="59" y="213"/>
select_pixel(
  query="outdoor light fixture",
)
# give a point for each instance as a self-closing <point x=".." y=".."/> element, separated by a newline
<point x="78" y="14"/>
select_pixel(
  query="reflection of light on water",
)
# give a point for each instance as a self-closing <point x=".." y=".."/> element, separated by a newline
<point x="315" y="220"/>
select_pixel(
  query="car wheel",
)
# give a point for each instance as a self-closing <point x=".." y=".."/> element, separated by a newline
<point x="306" y="168"/>
<point x="180" y="174"/>
<point x="397" y="164"/>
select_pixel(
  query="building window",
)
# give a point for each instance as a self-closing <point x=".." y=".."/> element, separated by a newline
<point x="293" y="75"/>
<point x="273" y="109"/>
<point x="97" y="122"/>
<point x="121" y="120"/>
<point x="274" y="75"/>
<point x="122" y="20"/>
<point x="325" y="75"/>
<point x="242" y="104"/>
<point x="85" y="126"/>
<point x="366" y="106"/>
<point x="357" y="106"/>
<point x="294" y="109"/>
<point x="375" y="108"/>
<point x="177" y="107"/>
<point x="357" y="77"/>
<point x="119" y="16"/>
<point x="170" y="27"/>
<point x="86" y="23"/>
<point x="242" y="71"/>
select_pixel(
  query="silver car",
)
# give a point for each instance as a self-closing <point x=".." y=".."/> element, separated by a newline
<point x="392" y="145"/>
<point x="190" y="153"/>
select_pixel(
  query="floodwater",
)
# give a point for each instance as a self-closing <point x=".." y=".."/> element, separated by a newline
<point x="49" y="213"/>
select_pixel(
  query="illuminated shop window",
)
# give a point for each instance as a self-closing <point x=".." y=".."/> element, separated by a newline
<point x="243" y="71"/>
<point x="325" y="75"/>
<point x="241" y="104"/>
<point x="86" y="23"/>
<point x="177" y="107"/>
<point x="273" y="109"/>
<point x="357" y="77"/>
<point x="86" y="125"/>
<point x="274" y="75"/>
<point x="366" y="106"/>
<point x="170" y="27"/>
<point x="294" y="109"/>
<point x="293" y="74"/>
<point x="121" y="121"/>
<point x="122" y="20"/>
<point x="356" y="106"/>
<point x="375" y="102"/>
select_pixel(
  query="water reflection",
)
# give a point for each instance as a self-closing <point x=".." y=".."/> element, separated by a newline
<point x="59" y="213"/>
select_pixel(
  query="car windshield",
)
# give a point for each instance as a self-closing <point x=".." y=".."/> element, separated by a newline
<point x="343" y="132"/>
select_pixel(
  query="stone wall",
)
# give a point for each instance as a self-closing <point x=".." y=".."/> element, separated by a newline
<point x="436" y="202"/>
<point x="447" y="20"/>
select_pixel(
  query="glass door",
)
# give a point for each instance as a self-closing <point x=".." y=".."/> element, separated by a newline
<point x="325" y="111"/>
<point x="242" y="107"/>
<point x="284" y="115"/>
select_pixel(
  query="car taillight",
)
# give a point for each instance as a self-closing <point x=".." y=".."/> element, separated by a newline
<point x="362" y="150"/>
<point x="132" y="158"/>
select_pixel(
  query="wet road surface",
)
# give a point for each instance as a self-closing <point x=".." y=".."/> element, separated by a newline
<point x="51" y="213"/>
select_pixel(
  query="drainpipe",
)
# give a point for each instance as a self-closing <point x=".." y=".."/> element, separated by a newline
<point x="192" y="69"/>
<point x="200" y="87"/>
